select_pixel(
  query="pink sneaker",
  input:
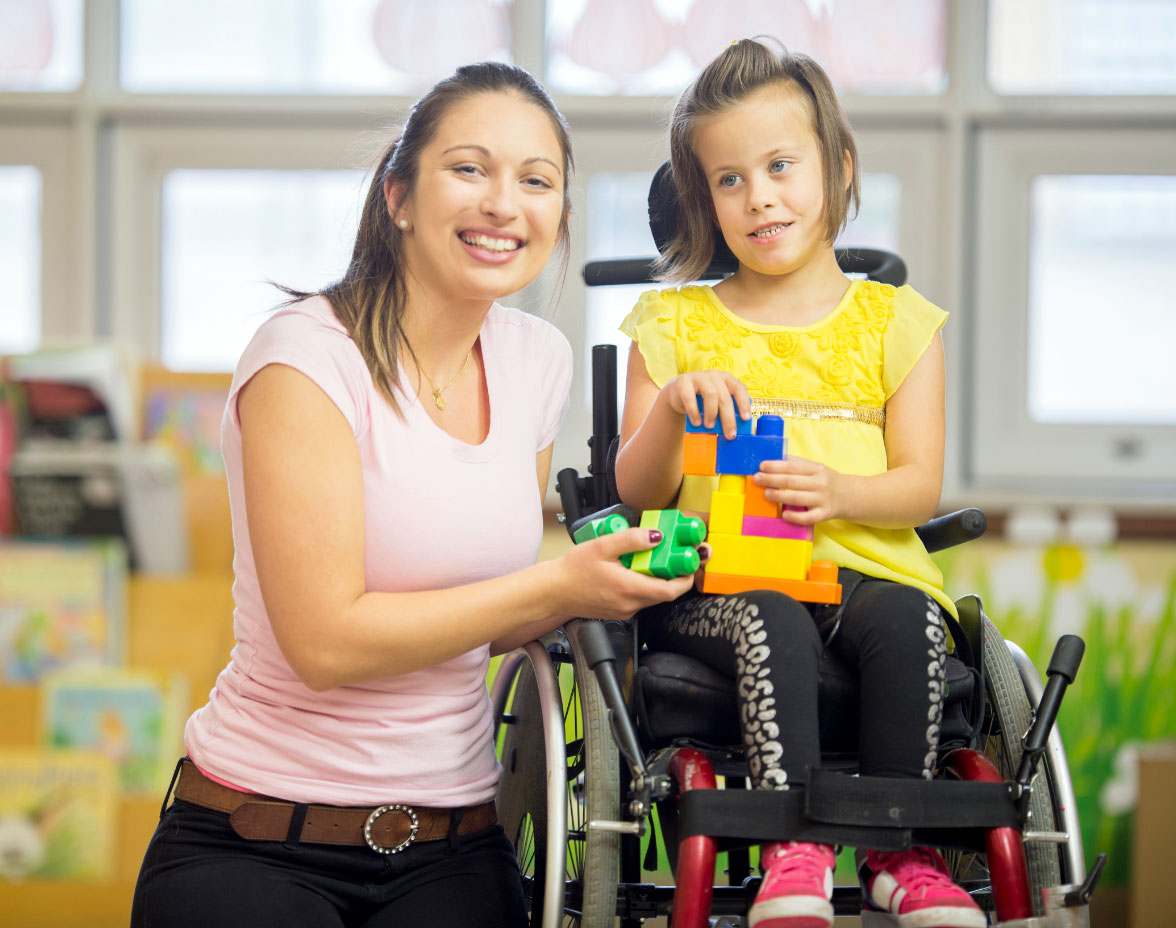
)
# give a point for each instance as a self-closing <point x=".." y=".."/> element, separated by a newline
<point x="914" y="887"/>
<point x="797" y="887"/>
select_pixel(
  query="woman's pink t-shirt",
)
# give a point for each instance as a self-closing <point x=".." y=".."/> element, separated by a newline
<point x="437" y="513"/>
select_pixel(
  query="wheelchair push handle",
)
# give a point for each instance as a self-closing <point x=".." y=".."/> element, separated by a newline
<point x="1063" y="667"/>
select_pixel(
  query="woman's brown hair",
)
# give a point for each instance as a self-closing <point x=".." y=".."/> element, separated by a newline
<point x="369" y="299"/>
<point x="739" y="71"/>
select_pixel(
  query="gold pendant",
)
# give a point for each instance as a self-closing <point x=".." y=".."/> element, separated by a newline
<point x="438" y="399"/>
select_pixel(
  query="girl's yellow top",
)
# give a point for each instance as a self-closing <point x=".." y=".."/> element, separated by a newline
<point x="830" y="381"/>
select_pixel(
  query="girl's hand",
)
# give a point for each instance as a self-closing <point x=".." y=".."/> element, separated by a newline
<point x="815" y="488"/>
<point x="723" y="396"/>
<point x="596" y="585"/>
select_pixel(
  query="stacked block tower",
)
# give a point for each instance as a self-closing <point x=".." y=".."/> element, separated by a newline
<point x="752" y="548"/>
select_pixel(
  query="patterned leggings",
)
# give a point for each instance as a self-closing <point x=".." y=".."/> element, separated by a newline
<point x="890" y="634"/>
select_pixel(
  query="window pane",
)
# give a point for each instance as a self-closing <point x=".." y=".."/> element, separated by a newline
<point x="226" y="233"/>
<point x="20" y="258"/>
<point x="1102" y="321"/>
<point x="306" y="46"/>
<point x="1082" y="46"/>
<point x="41" y="45"/>
<point x="658" y="46"/>
<point x="877" y="222"/>
<point x="618" y="227"/>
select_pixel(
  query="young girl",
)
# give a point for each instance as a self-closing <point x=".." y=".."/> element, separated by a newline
<point x="761" y="149"/>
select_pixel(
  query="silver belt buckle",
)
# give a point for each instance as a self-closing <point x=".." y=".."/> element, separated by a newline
<point x="371" y="820"/>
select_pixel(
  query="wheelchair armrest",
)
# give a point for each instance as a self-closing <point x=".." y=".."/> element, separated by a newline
<point x="952" y="529"/>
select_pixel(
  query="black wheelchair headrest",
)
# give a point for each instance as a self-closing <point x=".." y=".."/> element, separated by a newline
<point x="874" y="263"/>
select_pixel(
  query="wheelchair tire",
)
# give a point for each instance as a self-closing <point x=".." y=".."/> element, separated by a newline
<point x="1007" y="717"/>
<point x="593" y="776"/>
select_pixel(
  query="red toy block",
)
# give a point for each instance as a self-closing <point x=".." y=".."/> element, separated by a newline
<point x="699" y="452"/>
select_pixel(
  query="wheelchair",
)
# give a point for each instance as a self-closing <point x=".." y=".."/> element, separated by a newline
<point x="602" y="743"/>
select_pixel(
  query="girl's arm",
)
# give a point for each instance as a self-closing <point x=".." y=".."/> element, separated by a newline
<point x="304" y="494"/>
<point x="907" y="494"/>
<point x="649" y="463"/>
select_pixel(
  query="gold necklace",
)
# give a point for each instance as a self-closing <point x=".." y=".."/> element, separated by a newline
<point x="437" y="391"/>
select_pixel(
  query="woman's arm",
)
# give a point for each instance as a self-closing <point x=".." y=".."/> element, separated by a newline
<point x="907" y="494"/>
<point x="304" y="495"/>
<point x="649" y="463"/>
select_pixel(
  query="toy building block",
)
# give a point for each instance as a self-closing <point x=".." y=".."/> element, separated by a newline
<point x="743" y="454"/>
<point x="699" y="453"/>
<point x="677" y="555"/>
<point x="754" y="502"/>
<point x="605" y="526"/>
<point x="742" y="426"/>
<point x="726" y="507"/>
<point x="757" y="556"/>
<point x="773" y="527"/>
<point x="805" y="591"/>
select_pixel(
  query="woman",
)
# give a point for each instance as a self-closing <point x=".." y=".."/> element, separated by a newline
<point x="388" y="443"/>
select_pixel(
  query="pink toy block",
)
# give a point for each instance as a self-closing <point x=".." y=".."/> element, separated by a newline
<point x="775" y="527"/>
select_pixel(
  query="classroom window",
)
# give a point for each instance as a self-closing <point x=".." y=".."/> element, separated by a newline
<point x="227" y="234"/>
<point x="1082" y="46"/>
<point x="20" y="257"/>
<point x="658" y="46"/>
<point x="1101" y="327"/>
<point x="41" y="45"/>
<point x="306" y="47"/>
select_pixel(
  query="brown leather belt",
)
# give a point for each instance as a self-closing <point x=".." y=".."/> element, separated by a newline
<point x="386" y="829"/>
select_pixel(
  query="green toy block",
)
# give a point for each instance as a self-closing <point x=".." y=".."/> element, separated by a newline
<point x="606" y="526"/>
<point x="677" y="555"/>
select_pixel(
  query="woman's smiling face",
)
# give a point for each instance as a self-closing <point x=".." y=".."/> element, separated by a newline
<point x="487" y="206"/>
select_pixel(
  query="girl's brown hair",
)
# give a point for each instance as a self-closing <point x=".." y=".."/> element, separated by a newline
<point x="369" y="299"/>
<point x="739" y="71"/>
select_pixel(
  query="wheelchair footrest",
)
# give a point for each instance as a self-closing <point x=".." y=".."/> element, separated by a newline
<point x="872" y="812"/>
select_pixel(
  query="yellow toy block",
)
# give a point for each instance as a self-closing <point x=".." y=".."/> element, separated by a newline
<point x="758" y="556"/>
<point x="699" y="452"/>
<point x="726" y="513"/>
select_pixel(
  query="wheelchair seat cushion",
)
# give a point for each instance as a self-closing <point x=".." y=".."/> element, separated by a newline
<point x="678" y="697"/>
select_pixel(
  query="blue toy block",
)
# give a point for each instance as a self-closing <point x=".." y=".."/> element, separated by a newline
<point x="742" y="426"/>
<point x="744" y="453"/>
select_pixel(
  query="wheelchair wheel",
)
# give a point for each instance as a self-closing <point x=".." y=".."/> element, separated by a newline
<point x="593" y="790"/>
<point x="1007" y="716"/>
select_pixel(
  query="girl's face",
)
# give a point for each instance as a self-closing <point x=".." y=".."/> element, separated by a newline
<point x="763" y="169"/>
<point x="486" y="209"/>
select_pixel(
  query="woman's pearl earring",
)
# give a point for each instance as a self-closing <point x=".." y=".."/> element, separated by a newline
<point x="403" y="223"/>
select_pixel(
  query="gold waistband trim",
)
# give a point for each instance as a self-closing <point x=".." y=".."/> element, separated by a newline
<point x="808" y="409"/>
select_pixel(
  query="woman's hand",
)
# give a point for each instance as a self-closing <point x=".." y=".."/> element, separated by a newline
<point x="817" y="491"/>
<point x="596" y="585"/>
<point x="723" y="397"/>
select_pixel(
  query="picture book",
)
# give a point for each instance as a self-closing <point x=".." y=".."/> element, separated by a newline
<point x="133" y="717"/>
<point x="57" y="816"/>
<point x="62" y="604"/>
<point x="183" y="411"/>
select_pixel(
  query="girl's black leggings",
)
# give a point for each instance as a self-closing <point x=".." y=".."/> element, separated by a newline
<point x="890" y="634"/>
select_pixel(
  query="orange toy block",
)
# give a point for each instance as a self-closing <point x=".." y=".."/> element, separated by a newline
<point x="806" y="591"/>
<point x="759" y="556"/>
<point x="699" y="452"/>
<point x="755" y="504"/>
